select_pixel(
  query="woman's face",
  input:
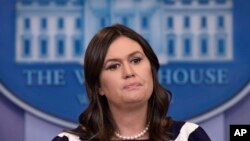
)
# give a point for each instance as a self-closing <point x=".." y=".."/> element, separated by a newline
<point x="126" y="76"/>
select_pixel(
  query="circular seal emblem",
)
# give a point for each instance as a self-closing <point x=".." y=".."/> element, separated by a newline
<point x="203" y="53"/>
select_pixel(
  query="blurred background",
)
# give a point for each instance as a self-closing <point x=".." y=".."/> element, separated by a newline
<point x="202" y="46"/>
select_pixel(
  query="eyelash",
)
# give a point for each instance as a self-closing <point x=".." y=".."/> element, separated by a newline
<point x="113" y="67"/>
<point x="134" y="61"/>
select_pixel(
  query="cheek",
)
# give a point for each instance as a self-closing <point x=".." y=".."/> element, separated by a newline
<point x="147" y="74"/>
<point x="108" y="82"/>
<point x="149" y="77"/>
<point x="150" y="83"/>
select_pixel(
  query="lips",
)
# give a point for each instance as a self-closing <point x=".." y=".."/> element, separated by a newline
<point x="132" y="86"/>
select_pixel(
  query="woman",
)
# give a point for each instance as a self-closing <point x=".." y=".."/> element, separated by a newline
<point x="126" y="100"/>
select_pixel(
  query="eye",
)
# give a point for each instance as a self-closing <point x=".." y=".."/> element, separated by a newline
<point x="136" y="60"/>
<point x="113" y="67"/>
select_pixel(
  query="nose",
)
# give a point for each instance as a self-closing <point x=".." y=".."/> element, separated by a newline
<point x="128" y="71"/>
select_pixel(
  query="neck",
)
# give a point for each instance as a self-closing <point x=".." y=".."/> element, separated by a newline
<point x="130" y="121"/>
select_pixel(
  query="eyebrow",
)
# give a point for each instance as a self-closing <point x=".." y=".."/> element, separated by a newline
<point x="117" y="59"/>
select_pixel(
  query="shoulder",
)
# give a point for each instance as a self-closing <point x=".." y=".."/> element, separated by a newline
<point x="64" y="136"/>
<point x="187" y="131"/>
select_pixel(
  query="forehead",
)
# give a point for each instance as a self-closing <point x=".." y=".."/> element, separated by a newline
<point x="123" y="46"/>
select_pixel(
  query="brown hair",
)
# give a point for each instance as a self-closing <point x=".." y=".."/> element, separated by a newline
<point x="96" y="119"/>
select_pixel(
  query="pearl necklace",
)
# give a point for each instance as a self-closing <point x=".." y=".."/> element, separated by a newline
<point x="133" y="137"/>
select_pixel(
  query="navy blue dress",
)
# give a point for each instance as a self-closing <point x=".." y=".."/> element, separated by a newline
<point x="181" y="131"/>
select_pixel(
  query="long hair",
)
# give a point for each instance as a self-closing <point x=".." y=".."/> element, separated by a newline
<point x="96" y="119"/>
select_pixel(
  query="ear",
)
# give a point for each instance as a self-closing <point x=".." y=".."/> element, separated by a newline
<point x="101" y="92"/>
